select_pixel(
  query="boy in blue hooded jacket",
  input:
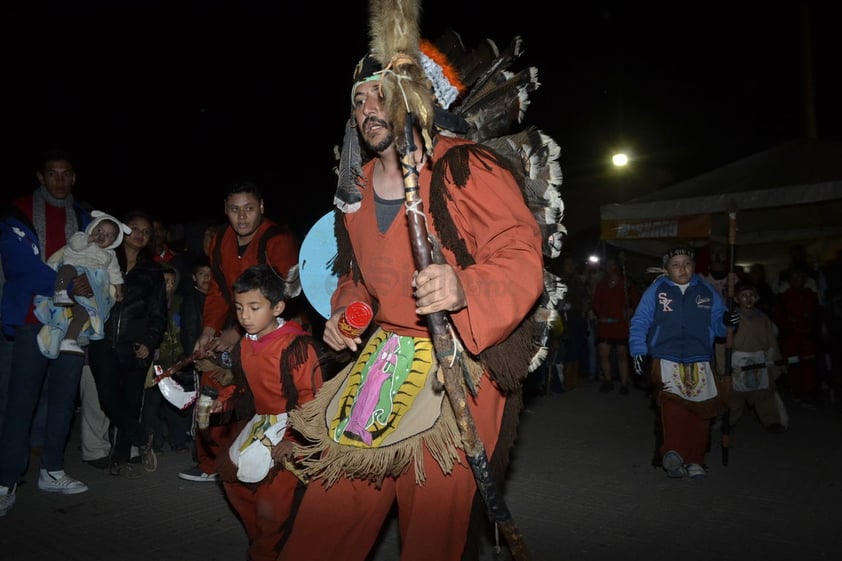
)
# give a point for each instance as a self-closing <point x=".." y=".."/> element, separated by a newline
<point x="675" y="323"/>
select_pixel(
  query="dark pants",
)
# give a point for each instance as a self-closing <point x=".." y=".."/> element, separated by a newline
<point x="29" y="369"/>
<point x="120" y="389"/>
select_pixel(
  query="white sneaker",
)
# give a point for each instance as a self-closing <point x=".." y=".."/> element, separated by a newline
<point x="695" y="471"/>
<point x="71" y="347"/>
<point x="62" y="298"/>
<point x="7" y="499"/>
<point x="196" y="474"/>
<point x="60" y="482"/>
<point x="673" y="463"/>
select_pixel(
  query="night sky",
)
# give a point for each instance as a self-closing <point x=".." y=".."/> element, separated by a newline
<point x="162" y="100"/>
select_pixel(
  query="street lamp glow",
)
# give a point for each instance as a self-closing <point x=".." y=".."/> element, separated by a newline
<point x="620" y="160"/>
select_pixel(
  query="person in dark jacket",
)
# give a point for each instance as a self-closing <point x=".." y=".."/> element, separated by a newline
<point x="192" y="324"/>
<point x="120" y="361"/>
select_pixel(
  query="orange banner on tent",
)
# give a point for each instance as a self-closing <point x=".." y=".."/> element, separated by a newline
<point x="689" y="226"/>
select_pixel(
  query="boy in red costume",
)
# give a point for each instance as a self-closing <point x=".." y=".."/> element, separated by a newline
<point x="278" y="363"/>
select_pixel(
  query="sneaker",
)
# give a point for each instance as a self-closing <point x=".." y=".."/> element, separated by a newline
<point x="695" y="471"/>
<point x="674" y="464"/>
<point x="125" y="469"/>
<point x="70" y="346"/>
<point x="7" y="499"/>
<point x="62" y="298"/>
<point x="60" y="482"/>
<point x="607" y="386"/>
<point x="148" y="457"/>
<point x="195" y="473"/>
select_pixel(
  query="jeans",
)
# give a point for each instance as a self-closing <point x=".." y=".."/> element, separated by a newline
<point x="38" y="432"/>
<point x="120" y="389"/>
<point x="96" y="440"/>
<point x="28" y="371"/>
<point x="5" y="373"/>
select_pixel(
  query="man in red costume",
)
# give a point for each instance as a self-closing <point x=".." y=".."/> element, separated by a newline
<point x="249" y="239"/>
<point x="488" y="281"/>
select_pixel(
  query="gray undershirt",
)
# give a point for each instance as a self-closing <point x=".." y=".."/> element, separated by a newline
<point x="386" y="211"/>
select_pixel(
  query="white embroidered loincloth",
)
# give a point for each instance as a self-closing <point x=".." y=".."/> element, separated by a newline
<point x="693" y="382"/>
<point x="251" y="452"/>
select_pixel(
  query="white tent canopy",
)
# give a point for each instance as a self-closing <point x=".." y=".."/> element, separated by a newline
<point x="790" y="194"/>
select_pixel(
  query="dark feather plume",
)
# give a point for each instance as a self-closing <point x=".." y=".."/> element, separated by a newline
<point x="493" y="107"/>
<point x="349" y="171"/>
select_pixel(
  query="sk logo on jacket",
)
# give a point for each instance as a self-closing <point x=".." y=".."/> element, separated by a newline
<point x="664" y="302"/>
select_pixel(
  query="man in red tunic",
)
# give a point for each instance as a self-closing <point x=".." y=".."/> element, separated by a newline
<point x="488" y="282"/>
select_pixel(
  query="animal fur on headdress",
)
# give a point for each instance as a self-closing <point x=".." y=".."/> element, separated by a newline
<point x="394" y="42"/>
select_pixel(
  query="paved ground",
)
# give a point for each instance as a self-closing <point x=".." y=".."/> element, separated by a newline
<point x="581" y="487"/>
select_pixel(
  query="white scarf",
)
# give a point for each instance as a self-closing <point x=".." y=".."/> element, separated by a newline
<point x="41" y="197"/>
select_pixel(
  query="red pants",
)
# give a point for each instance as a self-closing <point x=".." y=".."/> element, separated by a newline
<point x="684" y="431"/>
<point x="344" y="521"/>
<point x="264" y="511"/>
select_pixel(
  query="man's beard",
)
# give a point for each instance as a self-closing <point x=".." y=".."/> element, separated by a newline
<point x="385" y="142"/>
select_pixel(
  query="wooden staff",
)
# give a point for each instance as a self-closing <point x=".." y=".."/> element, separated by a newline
<point x="729" y="341"/>
<point x="782" y="362"/>
<point x="495" y="505"/>
<point x="176" y="367"/>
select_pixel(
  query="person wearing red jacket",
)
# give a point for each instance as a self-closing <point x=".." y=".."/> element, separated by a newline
<point x="614" y="301"/>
